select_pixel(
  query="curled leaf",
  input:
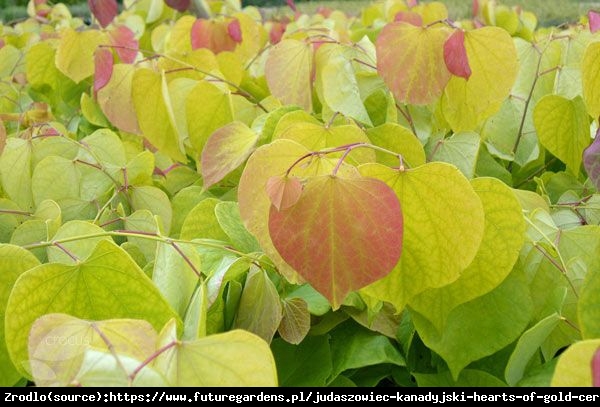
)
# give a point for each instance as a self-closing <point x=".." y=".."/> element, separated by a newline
<point x="284" y="191"/>
<point x="455" y="55"/>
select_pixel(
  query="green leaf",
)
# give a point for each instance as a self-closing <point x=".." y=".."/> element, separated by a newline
<point x="228" y="216"/>
<point x="563" y="128"/>
<point x="176" y="273"/>
<point x="202" y="223"/>
<point x="155" y="113"/>
<point x="58" y="344"/>
<point x="234" y="358"/>
<point x="295" y="323"/>
<point x="77" y="250"/>
<point x="259" y="310"/>
<point x="107" y="285"/>
<point x="527" y="345"/>
<point x="467" y="378"/>
<point x="481" y="326"/>
<point x="183" y="202"/>
<point x="196" y="318"/>
<point x="348" y="344"/>
<point x="503" y="237"/>
<point x="493" y="61"/>
<point x="288" y="72"/>
<point x="400" y="140"/>
<point x="225" y="150"/>
<point x="410" y="60"/>
<point x="9" y="60"/>
<point x="15" y="172"/>
<point x="590" y="76"/>
<point x="334" y="213"/>
<point x="143" y="221"/>
<point x="154" y="200"/>
<point x="293" y="362"/>
<point x="15" y="261"/>
<point x="436" y="248"/>
<point x="574" y="367"/>
<point x="588" y="308"/>
<point x="460" y="149"/>
<point x="75" y="53"/>
<point x="208" y="107"/>
<point x="40" y="67"/>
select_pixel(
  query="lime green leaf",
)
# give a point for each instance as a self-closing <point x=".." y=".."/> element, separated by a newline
<point x="312" y="355"/>
<point x="288" y="72"/>
<point x="336" y="82"/>
<point x="482" y="326"/>
<point x="503" y="237"/>
<point x="228" y="215"/>
<point x="107" y="285"/>
<point x="9" y="60"/>
<point x="588" y="308"/>
<point x="183" y="202"/>
<point x="348" y="344"/>
<point x="155" y="113"/>
<point x="207" y="108"/>
<point x="493" y="60"/>
<point x="15" y="261"/>
<point x="58" y="342"/>
<point x="176" y="273"/>
<point x="143" y="221"/>
<point x="225" y="150"/>
<point x="437" y="248"/>
<point x="76" y="250"/>
<point x="590" y="76"/>
<point x="196" y="317"/>
<point x="467" y="378"/>
<point x="154" y="200"/>
<point x="331" y="216"/>
<point x="15" y="172"/>
<point x="527" y="345"/>
<point x="234" y="358"/>
<point x="260" y="309"/>
<point x="41" y="69"/>
<point x="563" y="128"/>
<point x="400" y="140"/>
<point x="202" y="223"/>
<point x="116" y="100"/>
<point x="410" y="60"/>
<point x="295" y="323"/>
<point x="75" y="53"/>
<point x="574" y="367"/>
<point x="460" y="149"/>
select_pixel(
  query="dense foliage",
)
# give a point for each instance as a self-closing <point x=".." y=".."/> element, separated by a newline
<point x="317" y="200"/>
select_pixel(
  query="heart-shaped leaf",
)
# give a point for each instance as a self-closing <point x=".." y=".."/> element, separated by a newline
<point x="104" y="10"/>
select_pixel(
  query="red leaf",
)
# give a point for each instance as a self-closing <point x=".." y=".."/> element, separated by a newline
<point x="324" y="11"/>
<point x="341" y="235"/>
<point x="284" y="191"/>
<point x="596" y="369"/>
<point x="455" y="55"/>
<point x="125" y="43"/>
<point x="277" y="30"/>
<point x="235" y="30"/>
<point x="594" y="18"/>
<point x="179" y="5"/>
<point x="412" y="3"/>
<point x="591" y="161"/>
<point x="292" y="5"/>
<point x="104" y="10"/>
<point x="212" y="35"/>
<point x="409" y="17"/>
<point x="103" y="67"/>
<point x="475" y="8"/>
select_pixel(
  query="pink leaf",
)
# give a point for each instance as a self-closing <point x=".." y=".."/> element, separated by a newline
<point x="292" y="5"/>
<point x="409" y="17"/>
<point x="125" y="43"/>
<point x="277" y="30"/>
<point x="284" y="191"/>
<point x="455" y="55"/>
<point x="591" y="161"/>
<point x="104" y="10"/>
<point x="235" y="30"/>
<point x="179" y="5"/>
<point x="412" y="3"/>
<point x="594" y="18"/>
<point x="475" y="8"/>
<point x="103" y="67"/>
<point x="596" y="369"/>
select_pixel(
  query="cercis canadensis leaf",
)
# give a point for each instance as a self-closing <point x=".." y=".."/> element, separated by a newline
<point x="455" y="55"/>
<point x="284" y="191"/>
<point x="103" y="63"/>
<point x="409" y="17"/>
<point x="179" y="5"/>
<point x="104" y="10"/>
<point x="235" y="30"/>
<point x="591" y="161"/>
<point x="596" y="368"/>
<point x="341" y="235"/>
<point x="125" y="43"/>
<point x="594" y="19"/>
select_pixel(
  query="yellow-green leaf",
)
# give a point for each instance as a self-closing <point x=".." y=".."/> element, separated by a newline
<point x="116" y="101"/>
<point x="590" y="76"/>
<point x="574" y="367"/>
<point x="75" y="53"/>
